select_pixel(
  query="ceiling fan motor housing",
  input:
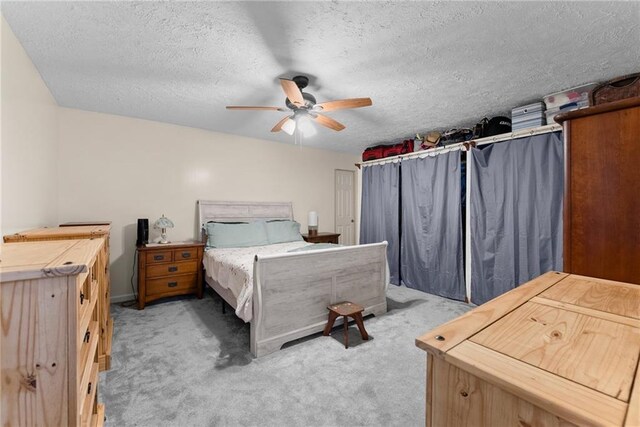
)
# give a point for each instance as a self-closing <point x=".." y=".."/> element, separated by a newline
<point x="301" y="81"/>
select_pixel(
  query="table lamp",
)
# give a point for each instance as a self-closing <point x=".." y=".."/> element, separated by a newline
<point x="163" y="223"/>
<point x="312" y="221"/>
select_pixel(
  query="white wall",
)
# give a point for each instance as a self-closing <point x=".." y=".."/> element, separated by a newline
<point x="63" y="165"/>
<point x="120" y="169"/>
<point x="29" y="142"/>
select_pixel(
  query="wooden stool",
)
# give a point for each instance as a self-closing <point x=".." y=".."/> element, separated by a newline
<point x="346" y="309"/>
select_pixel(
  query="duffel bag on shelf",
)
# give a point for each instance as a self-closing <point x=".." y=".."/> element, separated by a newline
<point x="373" y="153"/>
<point x="404" y="147"/>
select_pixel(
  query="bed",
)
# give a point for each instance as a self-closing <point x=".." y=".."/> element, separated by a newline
<point x="291" y="290"/>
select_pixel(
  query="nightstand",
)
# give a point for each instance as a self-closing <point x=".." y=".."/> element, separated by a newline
<point x="322" y="237"/>
<point x="166" y="270"/>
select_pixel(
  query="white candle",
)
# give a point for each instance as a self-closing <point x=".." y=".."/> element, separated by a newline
<point x="313" y="219"/>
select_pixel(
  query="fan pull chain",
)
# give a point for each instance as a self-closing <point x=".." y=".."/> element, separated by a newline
<point x="298" y="137"/>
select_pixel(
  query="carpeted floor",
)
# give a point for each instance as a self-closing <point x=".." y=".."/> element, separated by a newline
<point x="184" y="363"/>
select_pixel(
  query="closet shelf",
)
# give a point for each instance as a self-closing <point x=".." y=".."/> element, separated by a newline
<point x="466" y="144"/>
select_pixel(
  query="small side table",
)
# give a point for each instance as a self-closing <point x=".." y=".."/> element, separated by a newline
<point x="346" y="309"/>
<point x="166" y="270"/>
<point x="321" y="237"/>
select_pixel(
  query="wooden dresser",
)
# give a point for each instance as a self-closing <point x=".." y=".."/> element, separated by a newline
<point x="559" y="350"/>
<point x="602" y="186"/>
<point x="104" y="281"/>
<point x="169" y="270"/>
<point x="49" y="337"/>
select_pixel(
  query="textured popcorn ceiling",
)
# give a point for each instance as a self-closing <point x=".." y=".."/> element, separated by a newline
<point x="426" y="65"/>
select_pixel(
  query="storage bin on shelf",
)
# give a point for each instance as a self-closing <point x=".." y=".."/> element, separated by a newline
<point x="528" y="116"/>
<point x="568" y="100"/>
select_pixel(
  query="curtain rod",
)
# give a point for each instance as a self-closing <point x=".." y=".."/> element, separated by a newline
<point x="465" y="145"/>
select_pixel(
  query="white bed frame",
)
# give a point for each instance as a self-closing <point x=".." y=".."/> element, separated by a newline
<point x="291" y="291"/>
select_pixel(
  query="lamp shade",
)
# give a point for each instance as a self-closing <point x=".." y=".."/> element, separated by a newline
<point x="289" y="126"/>
<point x="313" y="219"/>
<point x="303" y="123"/>
<point x="163" y="222"/>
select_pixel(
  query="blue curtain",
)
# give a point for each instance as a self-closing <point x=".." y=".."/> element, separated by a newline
<point x="380" y="211"/>
<point x="516" y="213"/>
<point x="431" y="248"/>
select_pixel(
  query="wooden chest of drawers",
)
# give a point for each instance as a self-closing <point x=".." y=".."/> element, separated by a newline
<point x="559" y="350"/>
<point x="169" y="270"/>
<point x="49" y="334"/>
<point x="105" y="324"/>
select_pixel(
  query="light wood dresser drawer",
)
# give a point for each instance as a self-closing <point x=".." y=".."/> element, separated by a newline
<point x="87" y="393"/>
<point x="88" y="345"/>
<point x="86" y="301"/>
<point x="169" y="270"/>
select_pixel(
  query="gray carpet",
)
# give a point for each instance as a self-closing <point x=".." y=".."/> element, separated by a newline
<point x="184" y="363"/>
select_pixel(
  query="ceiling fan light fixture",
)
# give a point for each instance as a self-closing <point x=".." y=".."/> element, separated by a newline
<point x="289" y="126"/>
<point x="304" y="124"/>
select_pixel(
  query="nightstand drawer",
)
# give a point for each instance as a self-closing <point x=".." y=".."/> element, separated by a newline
<point x="154" y="257"/>
<point x="171" y="284"/>
<point x="172" y="269"/>
<point x="322" y="238"/>
<point x="185" y="254"/>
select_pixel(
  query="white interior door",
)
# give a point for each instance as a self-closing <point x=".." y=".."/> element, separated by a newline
<point x="345" y="206"/>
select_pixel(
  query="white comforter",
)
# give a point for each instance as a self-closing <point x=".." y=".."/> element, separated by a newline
<point x="232" y="268"/>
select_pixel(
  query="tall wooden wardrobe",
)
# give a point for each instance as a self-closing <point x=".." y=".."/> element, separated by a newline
<point x="602" y="191"/>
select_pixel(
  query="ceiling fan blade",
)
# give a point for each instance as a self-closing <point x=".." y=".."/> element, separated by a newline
<point x="278" y="126"/>
<point x="292" y="91"/>
<point x="251" y="107"/>
<point x="342" y="104"/>
<point x="328" y="122"/>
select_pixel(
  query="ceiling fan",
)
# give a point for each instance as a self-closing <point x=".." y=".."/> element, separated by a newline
<point x="304" y="108"/>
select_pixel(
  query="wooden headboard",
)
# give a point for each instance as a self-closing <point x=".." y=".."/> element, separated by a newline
<point x="209" y="210"/>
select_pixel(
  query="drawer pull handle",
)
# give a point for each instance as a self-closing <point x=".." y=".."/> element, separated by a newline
<point x="158" y="257"/>
<point x="81" y="298"/>
<point x="87" y="336"/>
<point x="172" y="284"/>
<point x="186" y="254"/>
<point x="89" y="389"/>
<point x="173" y="269"/>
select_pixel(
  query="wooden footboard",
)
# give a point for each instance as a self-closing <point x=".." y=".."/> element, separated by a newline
<point x="291" y="292"/>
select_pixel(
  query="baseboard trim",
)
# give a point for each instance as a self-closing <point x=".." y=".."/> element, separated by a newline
<point x="122" y="298"/>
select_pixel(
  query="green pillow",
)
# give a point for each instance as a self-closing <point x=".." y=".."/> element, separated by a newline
<point x="221" y="235"/>
<point x="283" y="231"/>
